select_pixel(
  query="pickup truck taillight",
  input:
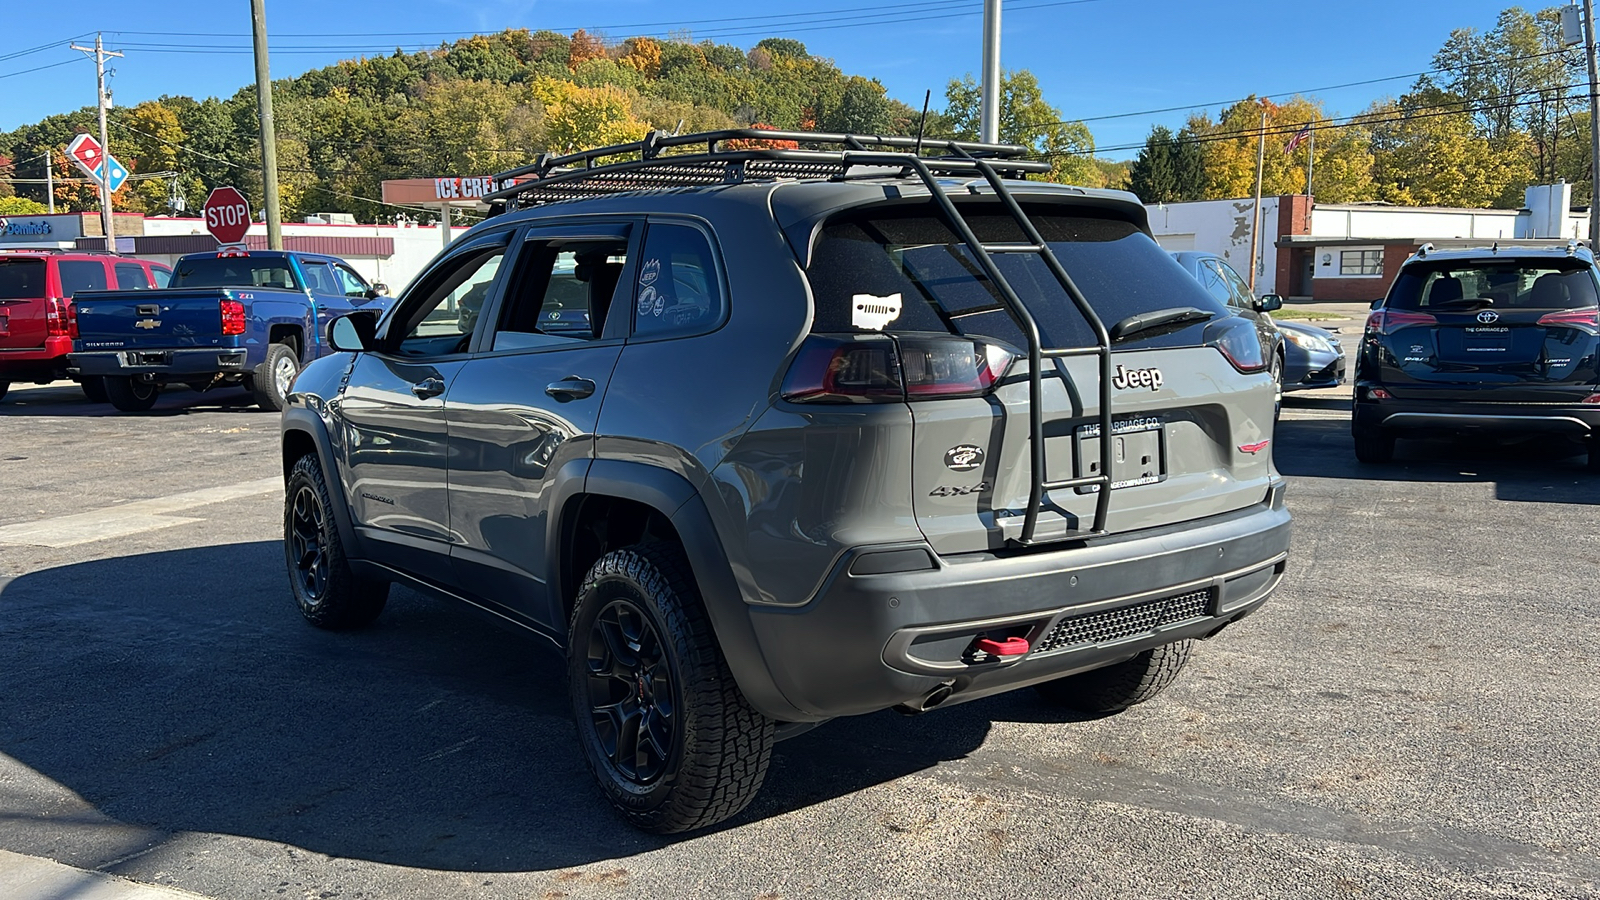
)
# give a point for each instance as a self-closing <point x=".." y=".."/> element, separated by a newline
<point x="61" y="319"/>
<point x="881" y="368"/>
<point x="232" y="317"/>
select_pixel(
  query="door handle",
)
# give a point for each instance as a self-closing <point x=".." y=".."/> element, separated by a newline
<point x="428" y="387"/>
<point x="570" y="388"/>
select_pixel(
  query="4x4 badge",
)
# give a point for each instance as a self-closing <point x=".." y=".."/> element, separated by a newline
<point x="963" y="458"/>
<point x="1488" y="316"/>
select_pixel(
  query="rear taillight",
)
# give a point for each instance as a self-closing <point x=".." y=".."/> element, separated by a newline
<point x="1236" y="339"/>
<point x="885" y="368"/>
<point x="60" y="319"/>
<point x="1388" y="321"/>
<point x="232" y="317"/>
<point x="1589" y="317"/>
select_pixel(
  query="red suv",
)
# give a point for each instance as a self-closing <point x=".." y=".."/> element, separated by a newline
<point x="37" y="322"/>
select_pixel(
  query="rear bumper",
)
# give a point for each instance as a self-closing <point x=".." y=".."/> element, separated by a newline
<point x="161" y="364"/>
<point x="1421" y="416"/>
<point x="871" y="641"/>
<point x="36" y="363"/>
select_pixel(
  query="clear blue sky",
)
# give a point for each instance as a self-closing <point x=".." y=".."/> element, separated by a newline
<point x="1094" y="58"/>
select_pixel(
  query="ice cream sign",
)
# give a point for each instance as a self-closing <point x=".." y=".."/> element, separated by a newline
<point x="462" y="188"/>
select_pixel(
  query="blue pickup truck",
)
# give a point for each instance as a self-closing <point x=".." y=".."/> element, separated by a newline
<point x="251" y="319"/>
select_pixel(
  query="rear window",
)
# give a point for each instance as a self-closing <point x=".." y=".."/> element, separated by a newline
<point x="234" y="271"/>
<point x="81" y="275"/>
<point x="904" y="270"/>
<point x="1503" y="284"/>
<point x="21" y="279"/>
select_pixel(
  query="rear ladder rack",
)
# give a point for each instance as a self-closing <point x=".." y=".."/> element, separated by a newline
<point x="1040" y="484"/>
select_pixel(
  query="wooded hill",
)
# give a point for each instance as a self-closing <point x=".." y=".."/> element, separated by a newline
<point x="489" y="103"/>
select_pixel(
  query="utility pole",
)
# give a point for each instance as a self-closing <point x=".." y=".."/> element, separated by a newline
<point x="103" y="100"/>
<point x="1594" y="127"/>
<point x="1255" y="229"/>
<point x="269" y="137"/>
<point x="50" y="179"/>
<point x="989" y="108"/>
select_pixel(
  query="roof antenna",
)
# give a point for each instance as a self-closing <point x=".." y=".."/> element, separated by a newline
<point x="928" y="95"/>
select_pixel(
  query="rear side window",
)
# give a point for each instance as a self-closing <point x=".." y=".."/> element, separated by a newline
<point x="678" y="291"/>
<point x="131" y="277"/>
<point x="81" y="275"/>
<point x="21" y="279"/>
<point x="904" y="270"/>
<point x="1502" y="284"/>
<point x="235" y="271"/>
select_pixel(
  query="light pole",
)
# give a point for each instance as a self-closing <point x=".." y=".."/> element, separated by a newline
<point x="989" y="108"/>
<point x="1594" y="126"/>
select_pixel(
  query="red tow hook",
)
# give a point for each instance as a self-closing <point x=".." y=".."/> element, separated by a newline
<point x="1011" y="646"/>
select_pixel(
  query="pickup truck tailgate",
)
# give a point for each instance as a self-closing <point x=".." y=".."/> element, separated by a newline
<point x="174" y="318"/>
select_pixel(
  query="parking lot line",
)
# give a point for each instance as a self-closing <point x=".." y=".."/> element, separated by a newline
<point x="129" y="518"/>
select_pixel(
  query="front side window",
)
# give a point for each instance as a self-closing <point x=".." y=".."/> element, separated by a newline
<point x="318" y="278"/>
<point x="563" y="292"/>
<point x="161" y="275"/>
<point x="441" y="314"/>
<point x="131" y="277"/>
<point x="1361" y="262"/>
<point x="677" y="290"/>
<point x="350" y="284"/>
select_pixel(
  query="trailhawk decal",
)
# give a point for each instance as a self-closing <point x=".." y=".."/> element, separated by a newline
<point x="1126" y="378"/>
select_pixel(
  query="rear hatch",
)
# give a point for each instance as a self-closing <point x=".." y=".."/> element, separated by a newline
<point x="1181" y="409"/>
<point x="24" y="300"/>
<point x="1493" y="329"/>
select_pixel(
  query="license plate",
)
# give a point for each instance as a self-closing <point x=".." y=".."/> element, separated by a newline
<point x="1138" y="453"/>
<point x="1487" y="340"/>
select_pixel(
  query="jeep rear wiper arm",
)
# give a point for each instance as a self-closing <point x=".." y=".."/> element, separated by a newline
<point x="1156" y="318"/>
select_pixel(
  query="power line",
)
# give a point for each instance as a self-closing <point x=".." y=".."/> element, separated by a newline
<point x="40" y="68"/>
<point x="50" y="46"/>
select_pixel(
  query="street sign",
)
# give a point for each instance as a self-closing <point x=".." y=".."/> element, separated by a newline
<point x="227" y="215"/>
<point x="87" y="154"/>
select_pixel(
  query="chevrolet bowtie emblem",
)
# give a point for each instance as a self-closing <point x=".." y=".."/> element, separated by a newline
<point x="147" y="323"/>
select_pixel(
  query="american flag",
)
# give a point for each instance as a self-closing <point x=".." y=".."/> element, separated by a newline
<point x="1300" y="137"/>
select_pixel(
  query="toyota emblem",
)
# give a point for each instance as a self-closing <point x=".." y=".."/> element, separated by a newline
<point x="1488" y="316"/>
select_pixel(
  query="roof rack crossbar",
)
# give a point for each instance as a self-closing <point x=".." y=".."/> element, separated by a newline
<point x="647" y="164"/>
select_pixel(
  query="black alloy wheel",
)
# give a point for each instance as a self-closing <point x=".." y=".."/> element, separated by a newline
<point x="308" y="546"/>
<point x="632" y="695"/>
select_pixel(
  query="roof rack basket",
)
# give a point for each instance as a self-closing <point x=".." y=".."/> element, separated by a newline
<point x="740" y="155"/>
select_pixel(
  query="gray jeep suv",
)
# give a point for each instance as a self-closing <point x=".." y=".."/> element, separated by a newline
<point x="761" y="429"/>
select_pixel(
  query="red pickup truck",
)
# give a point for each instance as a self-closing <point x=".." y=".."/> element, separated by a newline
<point x="37" y="321"/>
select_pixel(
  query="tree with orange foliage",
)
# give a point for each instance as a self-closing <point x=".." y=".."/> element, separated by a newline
<point x="758" y="143"/>
<point x="586" y="46"/>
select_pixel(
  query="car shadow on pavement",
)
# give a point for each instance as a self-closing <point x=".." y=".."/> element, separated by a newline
<point x="65" y="399"/>
<point x="181" y="692"/>
<point x="1543" y="469"/>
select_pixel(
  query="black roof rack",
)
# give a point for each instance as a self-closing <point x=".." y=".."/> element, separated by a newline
<point x="727" y="159"/>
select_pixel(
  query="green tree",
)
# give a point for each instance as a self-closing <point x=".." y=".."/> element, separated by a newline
<point x="20" y="206"/>
<point x="1026" y="119"/>
<point x="1423" y="156"/>
<point x="1170" y="168"/>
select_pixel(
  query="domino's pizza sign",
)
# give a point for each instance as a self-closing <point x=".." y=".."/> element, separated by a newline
<point x="14" y="228"/>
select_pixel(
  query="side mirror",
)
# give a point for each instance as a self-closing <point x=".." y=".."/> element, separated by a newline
<point x="378" y="289"/>
<point x="353" y="333"/>
<point x="1269" y="302"/>
<point x="1376" y="303"/>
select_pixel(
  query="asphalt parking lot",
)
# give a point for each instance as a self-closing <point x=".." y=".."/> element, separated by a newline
<point x="1412" y="715"/>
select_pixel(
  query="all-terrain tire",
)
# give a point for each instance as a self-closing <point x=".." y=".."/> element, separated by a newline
<point x="269" y="382"/>
<point x="1116" y="687"/>
<point x="94" y="388"/>
<point x="700" y="751"/>
<point x="1373" y="445"/>
<point x="130" y="394"/>
<point x="328" y="593"/>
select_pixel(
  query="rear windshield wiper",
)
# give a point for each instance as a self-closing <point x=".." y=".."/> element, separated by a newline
<point x="1467" y="301"/>
<point x="1156" y="318"/>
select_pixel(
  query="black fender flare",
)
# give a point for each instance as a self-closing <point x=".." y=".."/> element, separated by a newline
<point x="305" y="421"/>
<point x="670" y="494"/>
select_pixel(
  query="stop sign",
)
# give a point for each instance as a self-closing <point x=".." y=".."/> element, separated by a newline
<point x="227" y="215"/>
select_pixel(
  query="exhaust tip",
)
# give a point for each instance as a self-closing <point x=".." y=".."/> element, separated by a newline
<point x="928" y="701"/>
